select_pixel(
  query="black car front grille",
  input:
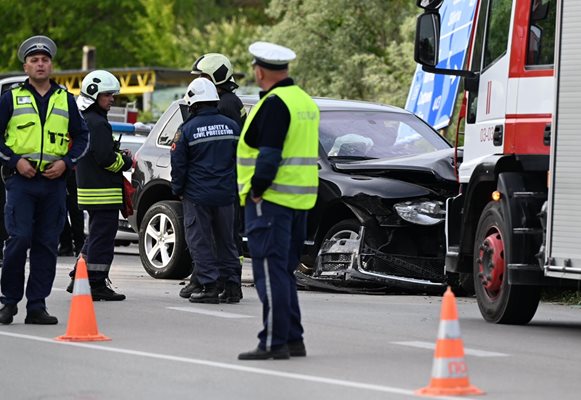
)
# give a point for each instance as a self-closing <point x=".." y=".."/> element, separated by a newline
<point x="428" y="268"/>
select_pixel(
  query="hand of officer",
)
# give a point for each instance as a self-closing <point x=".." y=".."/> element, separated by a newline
<point x="256" y="200"/>
<point x="55" y="169"/>
<point x="25" y="169"/>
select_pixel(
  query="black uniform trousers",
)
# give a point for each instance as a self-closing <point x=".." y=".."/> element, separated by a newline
<point x="211" y="242"/>
<point x="99" y="247"/>
<point x="34" y="216"/>
<point x="276" y="235"/>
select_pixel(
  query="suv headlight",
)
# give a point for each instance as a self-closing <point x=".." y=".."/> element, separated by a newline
<point x="421" y="212"/>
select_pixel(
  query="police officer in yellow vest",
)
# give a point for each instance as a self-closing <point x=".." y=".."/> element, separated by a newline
<point x="38" y="122"/>
<point x="277" y="182"/>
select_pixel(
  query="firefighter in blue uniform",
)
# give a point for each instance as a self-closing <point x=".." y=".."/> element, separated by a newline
<point x="203" y="164"/>
<point x="38" y="120"/>
<point x="217" y="68"/>
<point x="100" y="183"/>
<point x="277" y="182"/>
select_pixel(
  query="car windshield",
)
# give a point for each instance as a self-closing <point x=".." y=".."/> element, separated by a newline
<point x="375" y="134"/>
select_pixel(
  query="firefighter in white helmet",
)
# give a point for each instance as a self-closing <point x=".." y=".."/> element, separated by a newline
<point x="217" y="68"/>
<point x="100" y="182"/>
<point x="203" y="163"/>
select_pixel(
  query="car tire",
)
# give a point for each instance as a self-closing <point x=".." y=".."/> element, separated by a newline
<point x="499" y="301"/>
<point x="162" y="243"/>
<point x="346" y="229"/>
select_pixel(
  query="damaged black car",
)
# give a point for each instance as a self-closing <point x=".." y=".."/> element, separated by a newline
<point x="379" y="220"/>
<point x="378" y="223"/>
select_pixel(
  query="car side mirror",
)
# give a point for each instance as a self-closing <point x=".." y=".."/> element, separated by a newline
<point x="427" y="39"/>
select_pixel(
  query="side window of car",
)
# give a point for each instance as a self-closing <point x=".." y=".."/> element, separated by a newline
<point x="170" y="129"/>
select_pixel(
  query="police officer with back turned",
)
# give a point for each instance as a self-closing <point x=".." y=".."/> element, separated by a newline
<point x="38" y="120"/>
<point x="277" y="182"/>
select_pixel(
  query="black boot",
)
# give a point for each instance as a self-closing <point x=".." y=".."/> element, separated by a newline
<point x="190" y="289"/>
<point x="208" y="295"/>
<point x="102" y="291"/>
<point x="7" y="313"/>
<point x="40" y="317"/>
<point x="258" y="354"/>
<point x="231" y="293"/>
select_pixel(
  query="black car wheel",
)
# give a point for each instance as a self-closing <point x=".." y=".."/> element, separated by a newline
<point x="162" y="245"/>
<point x="498" y="300"/>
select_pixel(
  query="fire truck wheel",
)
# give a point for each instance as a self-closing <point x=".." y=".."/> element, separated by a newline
<point x="499" y="301"/>
<point x="162" y="244"/>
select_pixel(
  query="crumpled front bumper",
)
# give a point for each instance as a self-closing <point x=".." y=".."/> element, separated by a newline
<point x="348" y="265"/>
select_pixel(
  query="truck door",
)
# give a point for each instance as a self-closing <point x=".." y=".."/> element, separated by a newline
<point x="486" y="111"/>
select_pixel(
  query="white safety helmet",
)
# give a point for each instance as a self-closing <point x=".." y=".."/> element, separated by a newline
<point x="215" y="65"/>
<point x="93" y="84"/>
<point x="200" y="90"/>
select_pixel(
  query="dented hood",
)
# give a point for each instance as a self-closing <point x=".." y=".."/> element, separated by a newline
<point x="438" y="164"/>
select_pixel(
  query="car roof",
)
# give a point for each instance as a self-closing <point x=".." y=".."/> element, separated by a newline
<point x="328" y="104"/>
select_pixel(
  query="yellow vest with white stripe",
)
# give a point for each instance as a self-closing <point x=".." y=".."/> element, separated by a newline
<point x="25" y="134"/>
<point x="297" y="179"/>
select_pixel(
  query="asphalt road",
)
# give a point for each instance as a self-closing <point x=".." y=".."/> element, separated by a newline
<point x="359" y="347"/>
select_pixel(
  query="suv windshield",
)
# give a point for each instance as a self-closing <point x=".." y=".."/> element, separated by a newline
<point x="368" y="135"/>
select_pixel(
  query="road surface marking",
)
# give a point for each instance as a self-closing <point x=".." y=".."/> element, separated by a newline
<point x="221" y="314"/>
<point x="232" y="367"/>
<point x="472" y="352"/>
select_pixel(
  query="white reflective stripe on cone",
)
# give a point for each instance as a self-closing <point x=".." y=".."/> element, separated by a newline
<point x="449" y="329"/>
<point x="81" y="287"/>
<point x="449" y="368"/>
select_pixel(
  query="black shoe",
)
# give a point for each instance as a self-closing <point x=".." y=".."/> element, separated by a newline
<point x="71" y="286"/>
<point x="40" y="317"/>
<point x="281" y="353"/>
<point x="7" y="312"/>
<point x="231" y="293"/>
<point x="190" y="289"/>
<point x="208" y="295"/>
<point x="105" y="293"/>
<point x="297" y="349"/>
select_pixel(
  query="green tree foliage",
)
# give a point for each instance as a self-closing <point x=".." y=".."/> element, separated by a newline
<point x="229" y="37"/>
<point x="129" y="33"/>
<point x="349" y="49"/>
<point x="106" y="24"/>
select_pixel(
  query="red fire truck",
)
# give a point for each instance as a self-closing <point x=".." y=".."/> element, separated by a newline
<point x="515" y="226"/>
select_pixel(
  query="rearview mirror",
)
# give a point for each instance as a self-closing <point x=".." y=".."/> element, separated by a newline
<point x="427" y="44"/>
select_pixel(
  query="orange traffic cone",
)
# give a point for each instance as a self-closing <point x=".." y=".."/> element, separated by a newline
<point x="82" y="326"/>
<point x="449" y="371"/>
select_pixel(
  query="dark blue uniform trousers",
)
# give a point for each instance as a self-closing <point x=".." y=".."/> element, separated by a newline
<point x="211" y="242"/>
<point x="34" y="215"/>
<point x="99" y="247"/>
<point x="276" y="235"/>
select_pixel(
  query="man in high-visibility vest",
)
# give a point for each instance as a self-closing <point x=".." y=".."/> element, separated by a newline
<point x="277" y="183"/>
<point x="38" y="120"/>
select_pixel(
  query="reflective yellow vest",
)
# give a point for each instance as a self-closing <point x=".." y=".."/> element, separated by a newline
<point x="297" y="179"/>
<point x="25" y="134"/>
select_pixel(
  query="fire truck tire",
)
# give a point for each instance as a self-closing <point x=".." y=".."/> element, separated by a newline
<point x="499" y="302"/>
<point x="162" y="243"/>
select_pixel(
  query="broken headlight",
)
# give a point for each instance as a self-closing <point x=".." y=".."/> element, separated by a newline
<point x="421" y="212"/>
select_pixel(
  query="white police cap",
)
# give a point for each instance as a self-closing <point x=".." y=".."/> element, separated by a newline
<point x="36" y="44"/>
<point x="270" y="55"/>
